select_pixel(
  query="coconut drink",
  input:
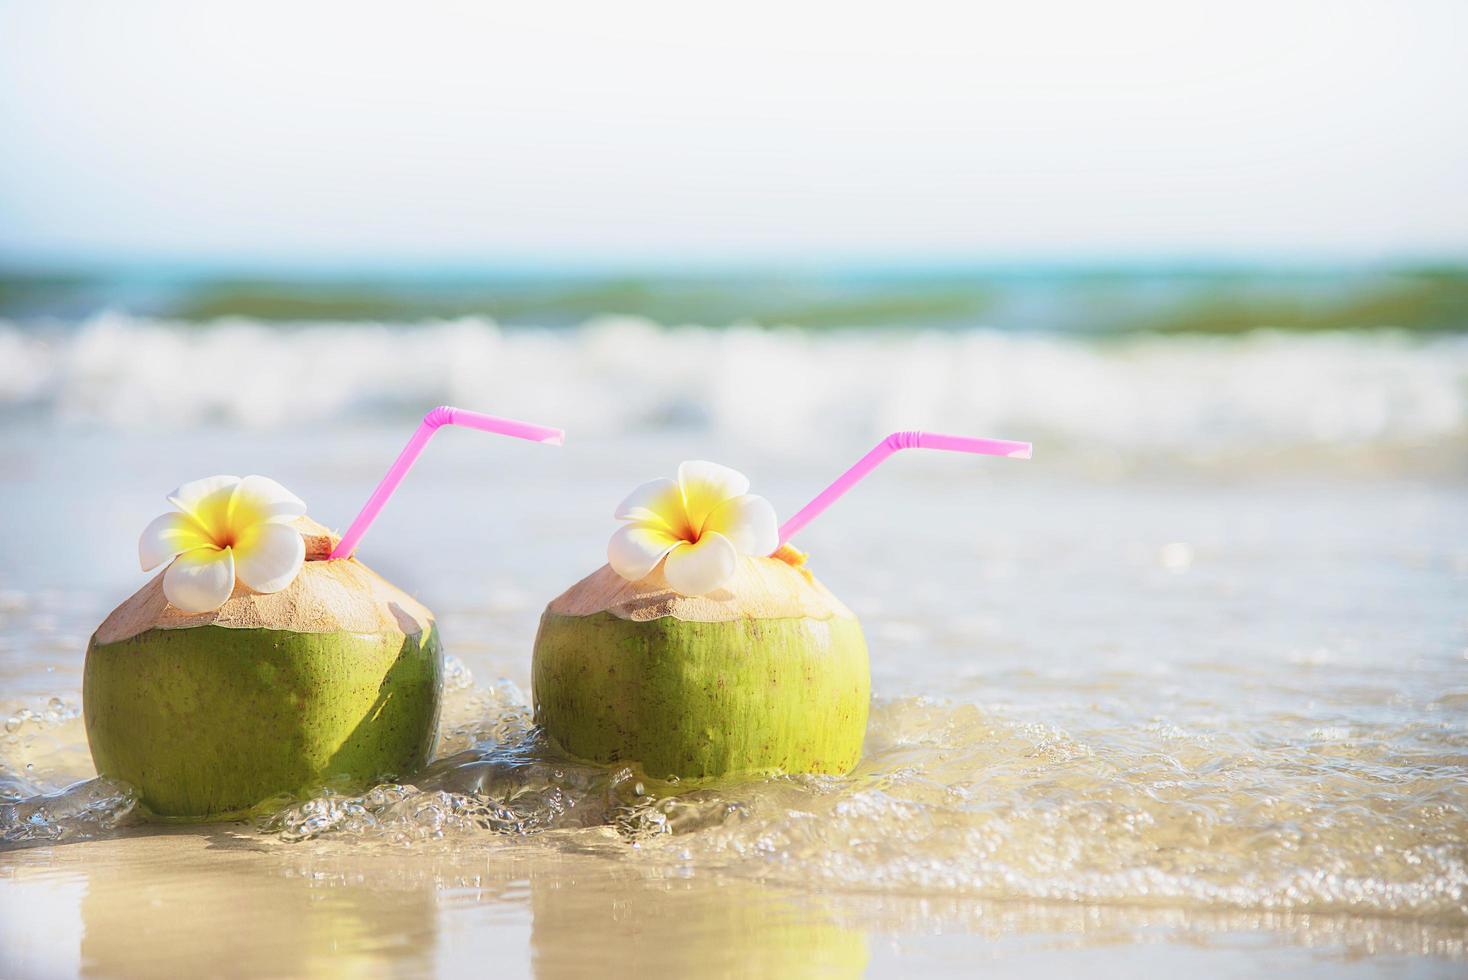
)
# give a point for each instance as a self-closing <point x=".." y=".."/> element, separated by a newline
<point x="767" y="674"/>
<point x="704" y="647"/>
<point x="265" y="660"/>
<point x="335" y="678"/>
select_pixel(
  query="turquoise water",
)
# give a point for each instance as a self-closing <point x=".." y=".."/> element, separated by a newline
<point x="1076" y="297"/>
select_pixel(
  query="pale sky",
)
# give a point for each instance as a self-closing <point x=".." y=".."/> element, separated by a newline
<point x="339" y="132"/>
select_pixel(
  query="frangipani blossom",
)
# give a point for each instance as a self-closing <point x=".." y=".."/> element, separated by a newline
<point x="700" y="523"/>
<point x="225" y="528"/>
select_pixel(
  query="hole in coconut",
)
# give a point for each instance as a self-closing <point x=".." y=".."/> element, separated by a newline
<point x="319" y="540"/>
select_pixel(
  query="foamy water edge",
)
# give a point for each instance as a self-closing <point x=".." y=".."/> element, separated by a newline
<point x="1262" y="392"/>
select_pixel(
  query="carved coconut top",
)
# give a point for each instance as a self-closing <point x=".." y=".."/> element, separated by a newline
<point x="326" y="597"/>
<point x="762" y="588"/>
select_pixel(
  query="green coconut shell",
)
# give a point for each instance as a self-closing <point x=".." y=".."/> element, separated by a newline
<point x="335" y="680"/>
<point x="768" y="675"/>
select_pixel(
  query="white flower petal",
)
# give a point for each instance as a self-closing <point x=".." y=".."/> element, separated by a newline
<point x="190" y="494"/>
<point x="636" y="549"/>
<point x="207" y="500"/>
<point x="702" y="567"/>
<point x="705" y="486"/>
<point x="169" y="535"/>
<point x="655" y="502"/>
<point x="200" y="580"/>
<point x="268" y="557"/>
<point x="259" y="500"/>
<point x="749" y="522"/>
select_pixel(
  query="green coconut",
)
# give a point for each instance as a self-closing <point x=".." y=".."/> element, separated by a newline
<point x="768" y="675"/>
<point x="334" y="681"/>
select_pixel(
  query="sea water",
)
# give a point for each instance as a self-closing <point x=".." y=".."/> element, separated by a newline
<point x="1187" y="690"/>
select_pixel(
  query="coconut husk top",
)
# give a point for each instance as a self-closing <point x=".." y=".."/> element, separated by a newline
<point x="326" y="597"/>
<point x="762" y="588"/>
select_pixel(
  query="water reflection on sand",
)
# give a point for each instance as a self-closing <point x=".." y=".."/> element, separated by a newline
<point x="160" y="902"/>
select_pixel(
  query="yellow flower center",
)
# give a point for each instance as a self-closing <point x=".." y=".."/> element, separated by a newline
<point x="683" y="528"/>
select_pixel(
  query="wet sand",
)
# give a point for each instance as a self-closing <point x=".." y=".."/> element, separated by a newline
<point x="160" y="902"/>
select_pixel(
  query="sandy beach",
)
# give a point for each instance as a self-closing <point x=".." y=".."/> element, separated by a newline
<point x="1189" y="702"/>
<point x="1139" y="649"/>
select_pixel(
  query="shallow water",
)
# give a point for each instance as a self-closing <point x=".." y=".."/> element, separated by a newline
<point x="1134" y="710"/>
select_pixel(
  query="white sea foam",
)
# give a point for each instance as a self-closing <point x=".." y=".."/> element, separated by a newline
<point x="1132" y="395"/>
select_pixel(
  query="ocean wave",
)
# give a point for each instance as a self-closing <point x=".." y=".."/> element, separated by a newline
<point x="1262" y="391"/>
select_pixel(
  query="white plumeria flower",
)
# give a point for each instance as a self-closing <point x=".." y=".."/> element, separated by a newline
<point x="225" y="528"/>
<point x="701" y="523"/>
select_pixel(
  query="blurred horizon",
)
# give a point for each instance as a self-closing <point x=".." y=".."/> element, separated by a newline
<point x="1135" y="232"/>
<point x="1078" y="296"/>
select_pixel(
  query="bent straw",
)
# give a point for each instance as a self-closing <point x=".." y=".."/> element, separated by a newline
<point x="885" y="448"/>
<point x="440" y="416"/>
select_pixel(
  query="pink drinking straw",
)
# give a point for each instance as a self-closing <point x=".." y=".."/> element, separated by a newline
<point x="442" y="415"/>
<point x="885" y="448"/>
